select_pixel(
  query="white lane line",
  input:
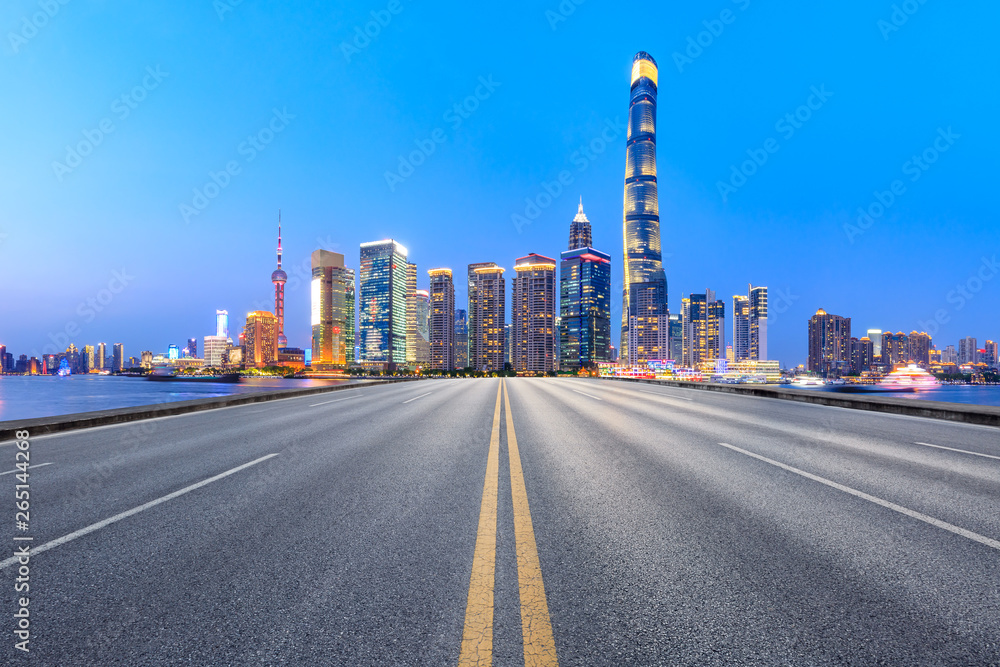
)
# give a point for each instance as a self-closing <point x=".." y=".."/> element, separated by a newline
<point x="418" y="397"/>
<point x="975" y="537"/>
<point x="124" y="515"/>
<point x="656" y="393"/>
<point x="37" y="465"/>
<point x="590" y="395"/>
<point x="334" y="401"/>
<point x="963" y="451"/>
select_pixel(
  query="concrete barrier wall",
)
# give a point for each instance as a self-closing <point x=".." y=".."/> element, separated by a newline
<point x="983" y="415"/>
<point x="43" y="425"/>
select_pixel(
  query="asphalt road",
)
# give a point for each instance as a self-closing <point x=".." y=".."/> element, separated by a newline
<point x="387" y="526"/>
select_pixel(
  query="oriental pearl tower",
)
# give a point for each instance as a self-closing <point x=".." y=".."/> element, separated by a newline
<point x="279" y="278"/>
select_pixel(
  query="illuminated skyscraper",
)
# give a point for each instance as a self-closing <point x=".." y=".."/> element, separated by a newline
<point x="214" y="348"/>
<point x="260" y="346"/>
<point x="411" y="315"/>
<point x="830" y="343"/>
<point x="758" y="323"/>
<point x="487" y="316"/>
<point x="584" y="308"/>
<point x="919" y="344"/>
<point x="533" y="319"/>
<point x="222" y="323"/>
<point x="192" y="348"/>
<point x="644" y="297"/>
<point x="741" y="328"/>
<point x="87" y="362"/>
<point x="383" y="303"/>
<point x="704" y="329"/>
<point x="968" y="350"/>
<point x="119" y="357"/>
<point x="173" y="352"/>
<point x="461" y="339"/>
<point x="332" y="302"/>
<point x="423" y="317"/>
<point x="101" y="355"/>
<point x="442" y="320"/>
<point x="279" y="278"/>
<point x="579" y="230"/>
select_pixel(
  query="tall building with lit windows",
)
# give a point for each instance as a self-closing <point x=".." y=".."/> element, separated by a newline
<point x="584" y="304"/>
<point x="704" y="329"/>
<point x="260" y="347"/>
<point x="442" y="294"/>
<point x="579" y="230"/>
<point x="830" y="343"/>
<point x="423" y="317"/>
<point x="332" y="302"/>
<point x="644" y="296"/>
<point x="87" y="359"/>
<point x="118" y="359"/>
<point x="101" y="355"/>
<point x="533" y="319"/>
<point x="741" y="328"/>
<point x="487" y="316"/>
<point x="411" y="315"/>
<point x="222" y="323"/>
<point x="758" y="323"/>
<point x="383" y="304"/>
<point x="461" y="339"/>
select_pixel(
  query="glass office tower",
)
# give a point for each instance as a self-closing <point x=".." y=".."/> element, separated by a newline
<point x="584" y="308"/>
<point x="645" y="282"/>
<point x="383" y="304"/>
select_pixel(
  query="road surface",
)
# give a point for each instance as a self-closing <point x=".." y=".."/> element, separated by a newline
<point x="575" y="522"/>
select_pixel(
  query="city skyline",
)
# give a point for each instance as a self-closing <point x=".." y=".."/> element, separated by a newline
<point x="118" y="282"/>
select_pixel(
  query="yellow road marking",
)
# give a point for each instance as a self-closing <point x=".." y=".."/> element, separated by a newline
<point x="477" y="637"/>
<point x="536" y="627"/>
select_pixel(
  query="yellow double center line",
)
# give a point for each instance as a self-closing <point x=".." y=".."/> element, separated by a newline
<point x="536" y="628"/>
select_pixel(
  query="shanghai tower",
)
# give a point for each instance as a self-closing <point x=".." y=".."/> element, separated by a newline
<point x="644" y="296"/>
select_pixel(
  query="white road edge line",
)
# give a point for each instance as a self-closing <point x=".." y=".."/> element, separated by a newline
<point x="37" y="465"/>
<point x="589" y="395"/>
<point x="656" y="393"/>
<point x="314" y="405"/>
<point x="963" y="451"/>
<point x="124" y="515"/>
<point x="418" y="397"/>
<point x="975" y="537"/>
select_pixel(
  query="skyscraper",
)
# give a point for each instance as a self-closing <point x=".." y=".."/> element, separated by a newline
<point x="704" y="322"/>
<point x="579" y="230"/>
<point x="875" y="336"/>
<point x="584" y="308"/>
<point x="644" y="297"/>
<point x="260" y="347"/>
<point x="101" y="355"/>
<point x="968" y="350"/>
<point x="461" y="339"/>
<point x="411" y="315"/>
<point x="222" y="323"/>
<point x="214" y="348"/>
<point x="533" y="319"/>
<point x="487" y="316"/>
<point x="758" y="323"/>
<point x="990" y="357"/>
<point x="741" y="328"/>
<point x="919" y="344"/>
<point x="332" y="297"/>
<point x="442" y="319"/>
<point x="88" y="360"/>
<point x="423" y="310"/>
<point x="119" y="357"/>
<point x="383" y="303"/>
<point x="279" y="278"/>
<point x="192" y="348"/>
<point x="829" y="343"/>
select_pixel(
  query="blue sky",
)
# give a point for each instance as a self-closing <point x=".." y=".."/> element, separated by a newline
<point x="200" y="79"/>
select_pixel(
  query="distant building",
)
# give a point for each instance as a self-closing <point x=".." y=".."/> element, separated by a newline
<point x="383" y="304"/>
<point x="222" y="323"/>
<point x="704" y="320"/>
<point x="173" y="352"/>
<point x="861" y="354"/>
<point x="968" y="350"/>
<point x="990" y="357"/>
<point x="192" y="347"/>
<point x="411" y="315"/>
<point x="758" y="323"/>
<point x="101" y="355"/>
<point x="461" y="339"/>
<point x="332" y="303"/>
<point x="423" y="320"/>
<point x="215" y="350"/>
<point x="895" y="349"/>
<point x="579" y="230"/>
<point x="442" y="294"/>
<point x="87" y="359"/>
<point x="487" y="316"/>
<point x="533" y="319"/>
<point x="584" y="307"/>
<point x="118" y="364"/>
<point x="261" y="340"/>
<point x="829" y="343"/>
<point x="741" y="328"/>
<point x="146" y="359"/>
<point x="875" y="336"/>
<point x="675" y="337"/>
<point x="279" y="278"/>
<point x="919" y="348"/>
